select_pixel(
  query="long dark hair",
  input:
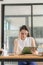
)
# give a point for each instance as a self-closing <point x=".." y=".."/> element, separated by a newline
<point x="24" y="27"/>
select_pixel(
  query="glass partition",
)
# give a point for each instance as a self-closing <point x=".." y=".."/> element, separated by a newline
<point x="38" y="25"/>
<point x="14" y="18"/>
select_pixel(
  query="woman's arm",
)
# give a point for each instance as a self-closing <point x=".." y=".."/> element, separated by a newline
<point x="15" y="46"/>
<point x="34" y="45"/>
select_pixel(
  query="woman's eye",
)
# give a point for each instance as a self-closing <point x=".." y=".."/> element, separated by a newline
<point x="22" y="33"/>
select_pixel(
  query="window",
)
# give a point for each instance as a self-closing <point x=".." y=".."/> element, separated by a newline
<point x="16" y="16"/>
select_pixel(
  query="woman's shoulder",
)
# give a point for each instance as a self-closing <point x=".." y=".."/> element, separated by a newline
<point x="30" y="38"/>
<point x="16" y="40"/>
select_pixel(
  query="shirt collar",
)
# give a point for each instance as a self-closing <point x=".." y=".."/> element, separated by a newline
<point x="23" y="40"/>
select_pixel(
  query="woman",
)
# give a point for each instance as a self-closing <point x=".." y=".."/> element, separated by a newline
<point x="24" y="40"/>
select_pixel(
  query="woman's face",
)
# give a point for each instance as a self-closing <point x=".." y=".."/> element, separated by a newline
<point x="23" y="34"/>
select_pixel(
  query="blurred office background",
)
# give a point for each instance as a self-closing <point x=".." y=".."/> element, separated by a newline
<point x="16" y="16"/>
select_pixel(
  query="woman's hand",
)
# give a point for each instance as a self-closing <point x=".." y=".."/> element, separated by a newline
<point x="35" y="52"/>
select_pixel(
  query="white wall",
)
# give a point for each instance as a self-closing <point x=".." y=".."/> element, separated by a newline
<point x="16" y="1"/>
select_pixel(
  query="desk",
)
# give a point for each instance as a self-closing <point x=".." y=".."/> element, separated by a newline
<point x="27" y="57"/>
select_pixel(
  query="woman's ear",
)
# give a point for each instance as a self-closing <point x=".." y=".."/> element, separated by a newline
<point x="28" y="35"/>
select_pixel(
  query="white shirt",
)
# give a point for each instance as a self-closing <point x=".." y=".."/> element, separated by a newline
<point x="24" y="43"/>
